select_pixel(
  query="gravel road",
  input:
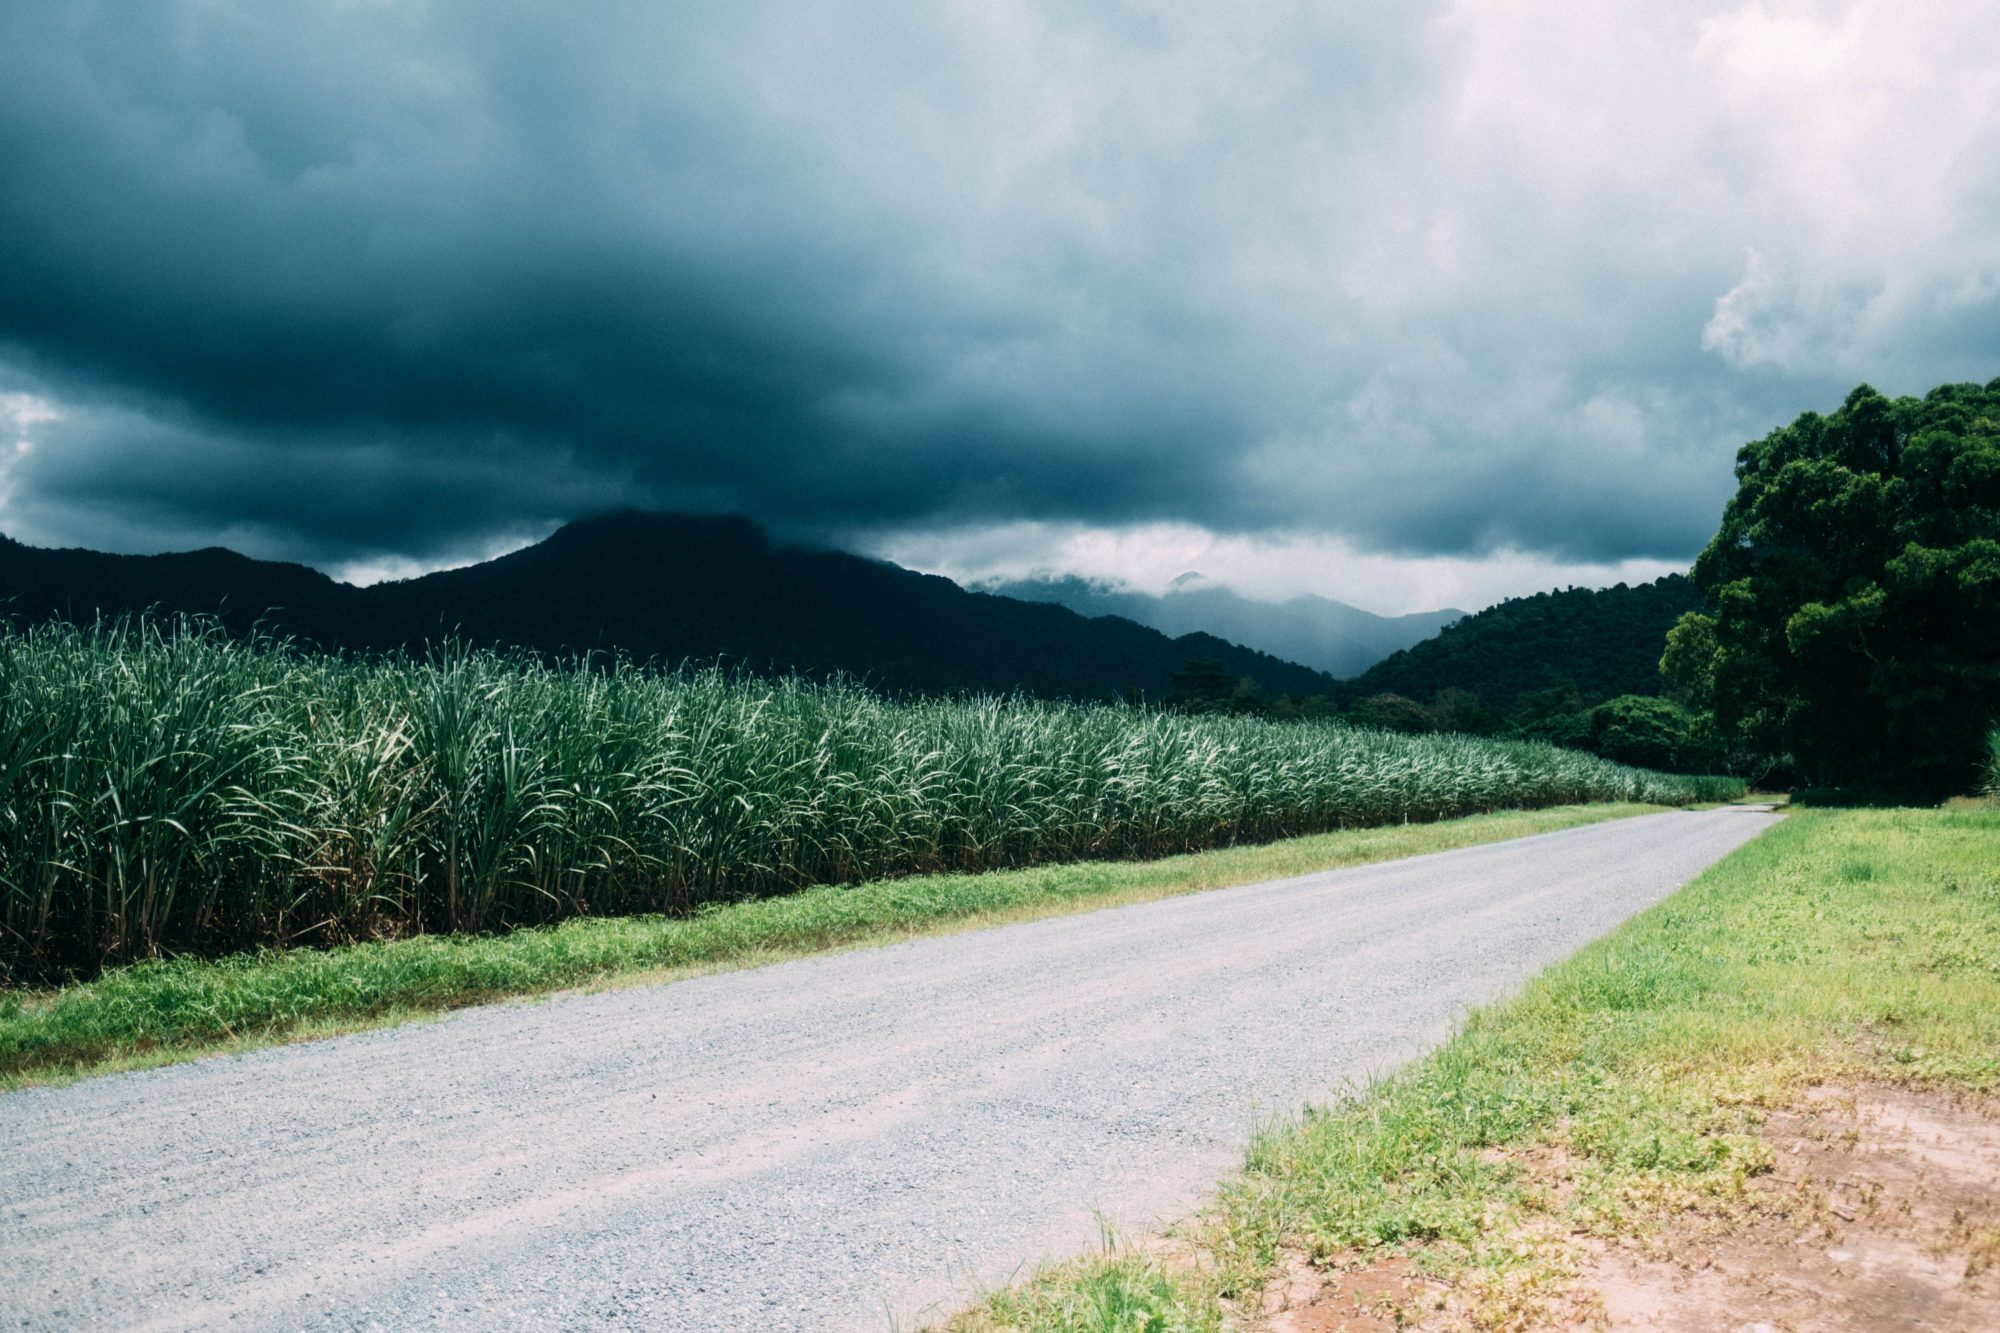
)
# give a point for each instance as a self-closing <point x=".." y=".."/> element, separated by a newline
<point x="844" y="1142"/>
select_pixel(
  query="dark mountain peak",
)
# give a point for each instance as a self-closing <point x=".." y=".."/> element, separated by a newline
<point x="626" y="553"/>
<point x="630" y="532"/>
<point x="220" y="560"/>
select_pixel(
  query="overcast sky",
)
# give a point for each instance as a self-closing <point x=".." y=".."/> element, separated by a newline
<point x="1409" y="304"/>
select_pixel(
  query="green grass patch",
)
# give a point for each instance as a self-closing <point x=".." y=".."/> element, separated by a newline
<point x="157" y="1012"/>
<point x="1843" y="944"/>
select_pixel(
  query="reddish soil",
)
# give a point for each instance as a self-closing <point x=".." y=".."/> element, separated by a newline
<point x="1881" y="1212"/>
<point x="1888" y="1218"/>
<point x="1377" y="1297"/>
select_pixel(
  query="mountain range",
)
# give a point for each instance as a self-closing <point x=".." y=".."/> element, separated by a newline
<point x="664" y="589"/>
<point x="1326" y="635"/>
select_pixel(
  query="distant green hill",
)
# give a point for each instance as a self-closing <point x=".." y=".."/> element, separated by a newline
<point x="1606" y="642"/>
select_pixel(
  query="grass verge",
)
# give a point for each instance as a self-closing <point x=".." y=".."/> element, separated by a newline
<point x="160" y="1012"/>
<point x="1853" y="944"/>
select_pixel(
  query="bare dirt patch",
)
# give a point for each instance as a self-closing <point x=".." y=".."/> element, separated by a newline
<point x="1375" y="1297"/>
<point x="1882" y="1211"/>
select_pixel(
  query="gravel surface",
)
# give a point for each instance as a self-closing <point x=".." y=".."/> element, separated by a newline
<point x="843" y="1142"/>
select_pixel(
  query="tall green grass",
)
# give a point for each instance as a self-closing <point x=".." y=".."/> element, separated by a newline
<point x="166" y="790"/>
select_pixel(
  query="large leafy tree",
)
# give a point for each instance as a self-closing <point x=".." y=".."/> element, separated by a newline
<point x="1854" y="592"/>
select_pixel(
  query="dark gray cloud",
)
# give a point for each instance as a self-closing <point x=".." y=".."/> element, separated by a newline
<point x="347" y="281"/>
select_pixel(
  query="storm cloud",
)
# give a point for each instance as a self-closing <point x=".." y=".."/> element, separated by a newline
<point x="391" y="282"/>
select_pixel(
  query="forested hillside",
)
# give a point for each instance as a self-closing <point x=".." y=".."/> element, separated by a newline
<point x="1854" y="586"/>
<point x="1605" y="642"/>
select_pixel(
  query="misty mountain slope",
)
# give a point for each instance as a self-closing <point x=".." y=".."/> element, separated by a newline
<point x="666" y="588"/>
<point x="1319" y="632"/>
<point x="1606" y="642"/>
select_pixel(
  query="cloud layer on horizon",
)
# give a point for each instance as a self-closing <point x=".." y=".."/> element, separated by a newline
<point x="387" y="282"/>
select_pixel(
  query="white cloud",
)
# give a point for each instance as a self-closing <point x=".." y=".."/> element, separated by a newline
<point x="1858" y="145"/>
<point x="20" y="415"/>
<point x="383" y="569"/>
<point x="1150" y="558"/>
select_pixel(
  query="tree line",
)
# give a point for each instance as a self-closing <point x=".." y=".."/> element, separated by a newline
<point x="1842" y="629"/>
